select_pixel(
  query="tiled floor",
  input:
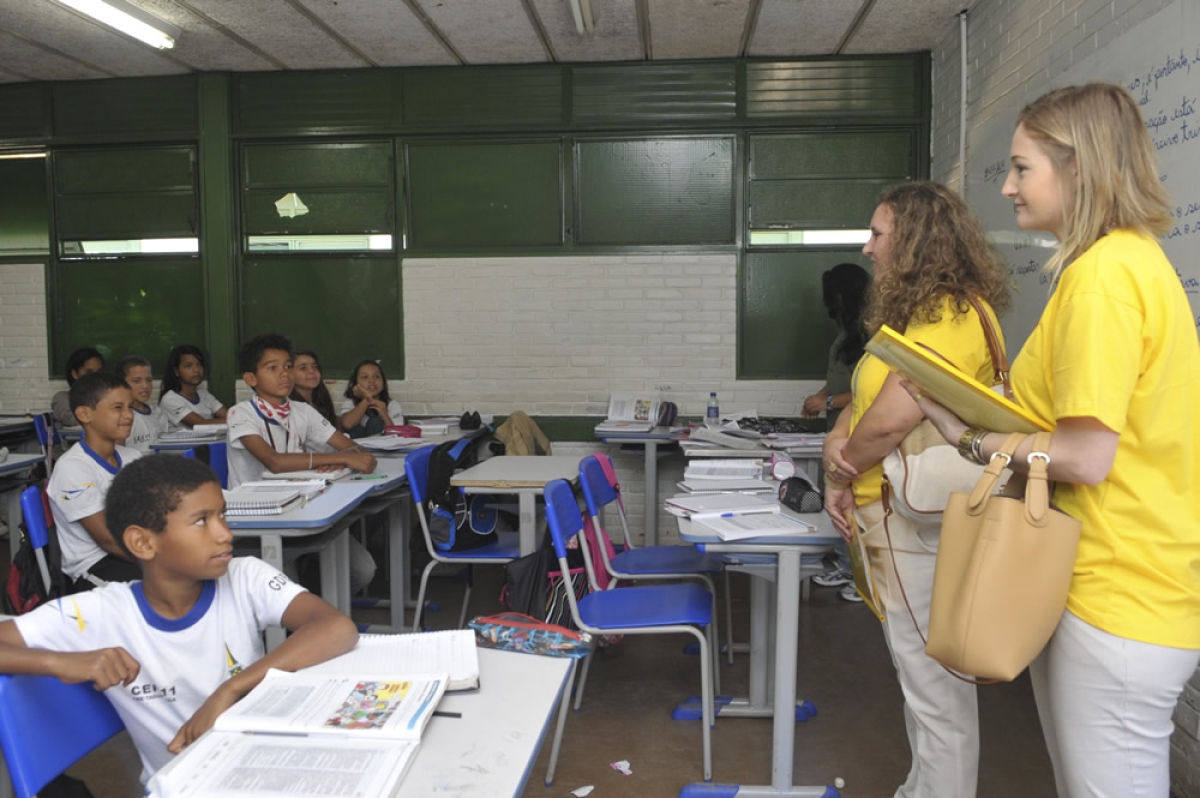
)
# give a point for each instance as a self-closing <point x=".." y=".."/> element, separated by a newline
<point x="844" y="669"/>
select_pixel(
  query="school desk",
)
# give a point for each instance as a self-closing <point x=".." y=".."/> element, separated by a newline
<point x="183" y="444"/>
<point x="13" y="473"/>
<point x="390" y="495"/>
<point x="490" y="750"/>
<point x="524" y="477"/>
<point x="787" y="573"/>
<point x="649" y="441"/>
<point x="317" y="522"/>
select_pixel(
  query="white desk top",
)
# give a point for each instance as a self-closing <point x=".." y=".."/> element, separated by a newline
<point x="17" y="462"/>
<point x="389" y="474"/>
<point x="825" y="536"/>
<point x="328" y="508"/>
<point x="490" y="750"/>
<point x="518" y="472"/>
<point x="182" y="445"/>
<point x="657" y="435"/>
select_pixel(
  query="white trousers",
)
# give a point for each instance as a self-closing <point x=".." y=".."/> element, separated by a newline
<point x="1106" y="705"/>
<point x="940" y="712"/>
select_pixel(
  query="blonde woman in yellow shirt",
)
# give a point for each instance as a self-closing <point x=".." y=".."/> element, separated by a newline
<point x="1114" y="365"/>
<point x="931" y="259"/>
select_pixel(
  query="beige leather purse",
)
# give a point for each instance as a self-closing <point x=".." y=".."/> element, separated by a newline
<point x="1004" y="567"/>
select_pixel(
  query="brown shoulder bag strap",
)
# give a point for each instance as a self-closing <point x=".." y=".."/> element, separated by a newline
<point x="995" y="346"/>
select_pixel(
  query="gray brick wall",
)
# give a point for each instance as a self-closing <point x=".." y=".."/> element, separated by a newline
<point x="1014" y="47"/>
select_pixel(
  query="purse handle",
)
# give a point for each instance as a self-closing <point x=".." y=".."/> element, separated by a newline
<point x="986" y="483"/>
<point x="996" y="347"/>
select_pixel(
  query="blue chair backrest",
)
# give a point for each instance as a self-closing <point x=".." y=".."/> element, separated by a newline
<point x="562" y="514"/>
<point x="416" y="467"/>
<point x="41" y="429"/>
<point x="218" y="461"/>
<point x="597" y="492"/>
<point x="47" y="726"/>
<point x="35" y="516"/>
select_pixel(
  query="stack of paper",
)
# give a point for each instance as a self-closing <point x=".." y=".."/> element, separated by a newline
<point x="742" y="526"/>
<point x="201" y="431"/>
<point x="723" y="469"/>
<point x="712" y="436"/>
<point x="258" y="502"/>
<point x="434" y="426"/>
<point x="717" y="504"/>
<point x="390" y="443"/>
<point x="726" y="486"/>
<point x="452" y="652"/>
<point x="307" y="488"/>
<point x="327" y="476"/>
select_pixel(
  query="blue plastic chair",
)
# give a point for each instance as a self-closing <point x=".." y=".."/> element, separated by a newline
<point x="36" y="748"/>
<point x="218" y="461"/>
<point x="506" y="548"/>
<point x="649" y="609"/>
<point x="47" y="437"/>
<point x="650" y="563"/>
<point x="37" y="529"/>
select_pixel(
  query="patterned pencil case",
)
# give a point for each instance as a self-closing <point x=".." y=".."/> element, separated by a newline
<point x="513" y="631"/>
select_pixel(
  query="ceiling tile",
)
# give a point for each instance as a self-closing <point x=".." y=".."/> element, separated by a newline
<point x="201" y="45"/>
<point x="902" y="26"/>
<point x="614" y="38"/>
<point x="386" y="32"/>
<point x="91" y="42"/>
<point x="801" y="27"/>
<point x="697" y="28"/>
<point x="278" y="29"/>
<point x="487" y="31"/>
<point x="22" y="58"/>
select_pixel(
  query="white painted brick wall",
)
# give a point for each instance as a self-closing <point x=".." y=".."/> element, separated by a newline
<point x="1013" y="49"/>
<point x="24" y="359"/>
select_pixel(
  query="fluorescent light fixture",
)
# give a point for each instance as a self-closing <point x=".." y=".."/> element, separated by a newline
<point x="128" y="19"/>
<point x="827" y="237"/>
<point x="581" y="10"/>
<point x="13" y="156"/>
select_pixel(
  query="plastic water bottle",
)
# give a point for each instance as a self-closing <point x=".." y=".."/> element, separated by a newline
<point x="714" y="409"/>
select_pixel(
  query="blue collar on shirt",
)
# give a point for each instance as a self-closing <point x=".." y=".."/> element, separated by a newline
<point x="107" y="466"/>
<point x="207" y="591"/>
<point x="145" y="412"/>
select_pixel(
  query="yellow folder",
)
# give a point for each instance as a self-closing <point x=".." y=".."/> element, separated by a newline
<point x="973" y="402"/>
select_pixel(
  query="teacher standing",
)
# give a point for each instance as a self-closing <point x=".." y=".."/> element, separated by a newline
<point x="1114" y="366"/>
<point x="934" y="273"/>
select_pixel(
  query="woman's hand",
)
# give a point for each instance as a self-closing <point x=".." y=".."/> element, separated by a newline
<point x="839" y="503"/>
<point x="814" y="405"/>
<point x="835" y="462"/>
<point x="949" y="425"/>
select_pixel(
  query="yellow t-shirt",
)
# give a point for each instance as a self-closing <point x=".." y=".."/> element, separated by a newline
<point x="957" y="338"/>
<point x="1117" y="342"/>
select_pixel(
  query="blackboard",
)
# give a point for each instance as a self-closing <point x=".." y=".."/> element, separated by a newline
<point x="1159" y="62"/>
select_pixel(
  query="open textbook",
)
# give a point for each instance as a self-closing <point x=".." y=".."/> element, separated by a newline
<point x="377" y="707"/>
<point x="232" y="765"/>
<point x="450" y="652"/>
<point x="629" y="413"/>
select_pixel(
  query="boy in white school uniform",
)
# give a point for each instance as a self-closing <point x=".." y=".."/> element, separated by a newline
<point x="175" y="650"/>
<point x="149" y="421"/>
<point x="268" y="431"/>
<point x="91" y="556"/>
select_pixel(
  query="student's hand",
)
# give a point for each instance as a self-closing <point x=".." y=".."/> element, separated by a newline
<point x="203" y="719"/>
<point x="361" y="461"/>
<point x="359" y="393"/>
<point x="839" y="503"/>
<point x="814" y="405"/>
<point x="378" y="406"/>
<point x="103" y="668"/>
<point x="951" y="426"/>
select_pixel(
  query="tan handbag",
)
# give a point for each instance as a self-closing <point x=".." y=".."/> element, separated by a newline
<point x="924" y="470"/>
<point x="1004" y="567"/>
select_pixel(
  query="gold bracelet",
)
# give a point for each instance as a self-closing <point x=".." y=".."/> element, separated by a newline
<point x="970" y="445"/>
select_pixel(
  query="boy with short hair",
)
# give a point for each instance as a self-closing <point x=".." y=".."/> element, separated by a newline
<point x="178" y="648"/>
<point x="91" y="556"/>
<point x="268" y="430"/>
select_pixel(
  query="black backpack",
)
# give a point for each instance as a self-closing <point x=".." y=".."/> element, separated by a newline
<point x="457" y="521"/>
<point x="24" y="589"/>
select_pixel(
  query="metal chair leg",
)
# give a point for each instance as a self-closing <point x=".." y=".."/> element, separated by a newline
<point x="728" y="619"/>
<point x="587" y="664"/>
<point x="420" y="610"/>
<point x="563" y="703"/>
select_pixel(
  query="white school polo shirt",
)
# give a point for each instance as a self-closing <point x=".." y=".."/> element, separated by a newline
<point x="77" y="489"/>
<point x="147" y="428"/>
<point x="393" y="410"/>
<point x="306" y="431"/>
<point x="176" y="407"/>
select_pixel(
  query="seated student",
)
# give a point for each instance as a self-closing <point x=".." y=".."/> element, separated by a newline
<point x="175" y="650"/>
<point x="91" y="556"/>
<point x="269" y="431"/>
<point x="309" y="387"/>
<point x="149" y="422"/>
<point x="367" y="408"/>
<point x="181" y="398"/>
<point x="81" y="361"/>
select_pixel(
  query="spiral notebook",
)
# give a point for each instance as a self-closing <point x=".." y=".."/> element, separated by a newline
<point x="258" y="502"/>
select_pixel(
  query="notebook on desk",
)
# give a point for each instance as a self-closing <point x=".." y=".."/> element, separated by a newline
<point x="452" y="652"/>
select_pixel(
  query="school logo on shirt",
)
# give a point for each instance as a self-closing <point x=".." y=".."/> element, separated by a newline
<point x="233" y="667"/>
<point x="73" y="614"/>
<point x="68" y="495"/>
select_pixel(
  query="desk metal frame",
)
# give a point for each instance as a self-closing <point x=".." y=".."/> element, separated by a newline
<point x="649" y="442"/>
<point x="526" y="477"/>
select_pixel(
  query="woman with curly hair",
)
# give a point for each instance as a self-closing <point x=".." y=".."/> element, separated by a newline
<point x="932" y="261"/>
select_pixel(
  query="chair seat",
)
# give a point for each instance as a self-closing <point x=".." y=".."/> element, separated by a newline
<point x="506" y="547"/>
<point x="649" y="606"/>
<point x="667" y="560"/>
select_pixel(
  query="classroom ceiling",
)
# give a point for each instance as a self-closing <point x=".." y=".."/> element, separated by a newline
<point x="44" y="40"/>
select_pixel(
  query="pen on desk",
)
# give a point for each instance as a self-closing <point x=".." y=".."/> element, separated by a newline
<point x="370" y="476"/>
<point x="441" y="713"/>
